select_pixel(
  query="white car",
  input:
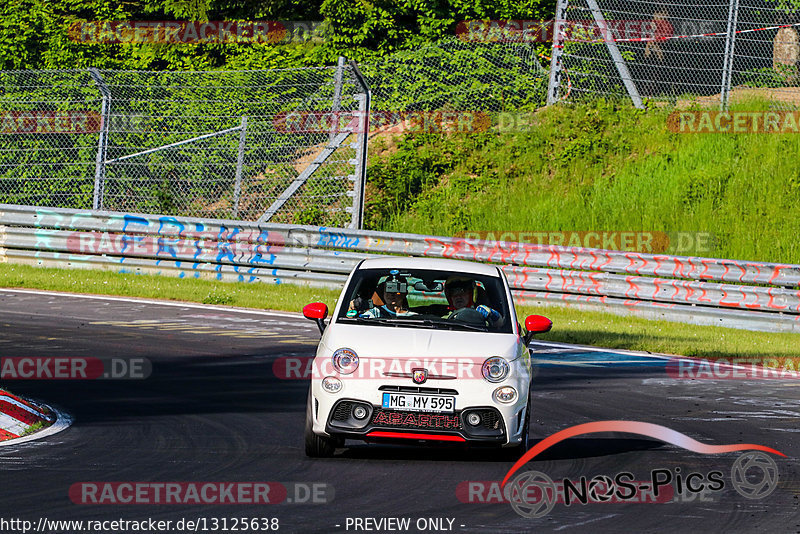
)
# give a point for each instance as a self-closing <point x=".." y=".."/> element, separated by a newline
<point x="419" y="351"/>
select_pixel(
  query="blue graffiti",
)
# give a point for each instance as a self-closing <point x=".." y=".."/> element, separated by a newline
<point x="169" y="245"/>
<point x="336" y="240"/>
<point x="133" y="219"/>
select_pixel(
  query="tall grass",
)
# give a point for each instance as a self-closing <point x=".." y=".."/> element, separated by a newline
<point x="600" y="167"/>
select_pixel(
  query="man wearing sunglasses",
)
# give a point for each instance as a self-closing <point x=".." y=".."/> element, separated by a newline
<point x="461" y="293"/>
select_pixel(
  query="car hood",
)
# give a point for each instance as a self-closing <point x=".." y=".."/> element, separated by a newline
<point x="419" y="343"/>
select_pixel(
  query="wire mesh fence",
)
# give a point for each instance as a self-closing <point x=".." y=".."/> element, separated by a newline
<point x="276" y="145"/>
<point x="279" y="145"/>
<point x="711" y="52"/>
<point x="456" y="74"/>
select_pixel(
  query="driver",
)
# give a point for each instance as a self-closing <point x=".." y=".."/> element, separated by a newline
<point x="393" y="291"/>
<point x="460" y="293"/>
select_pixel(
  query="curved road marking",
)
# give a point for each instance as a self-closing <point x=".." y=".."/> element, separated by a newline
<point x="63" y="422"/>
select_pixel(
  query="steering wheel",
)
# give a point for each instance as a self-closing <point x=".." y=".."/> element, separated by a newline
<point x="468" y="315"/>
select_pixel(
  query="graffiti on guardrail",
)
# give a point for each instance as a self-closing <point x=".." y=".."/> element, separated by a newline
<point x="685" y="288"/>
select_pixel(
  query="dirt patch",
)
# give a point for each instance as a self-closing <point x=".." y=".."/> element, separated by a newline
<point x="784" y="95"/>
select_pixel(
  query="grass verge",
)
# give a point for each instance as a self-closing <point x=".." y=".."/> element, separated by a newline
<point x="570" y="326"/>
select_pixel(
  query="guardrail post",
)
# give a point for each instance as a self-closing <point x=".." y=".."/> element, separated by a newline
<point x="237" y="188"/>
<point x="102" y="143"/>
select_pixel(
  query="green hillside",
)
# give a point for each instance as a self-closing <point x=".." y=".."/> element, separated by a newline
<point x="600" y="167"/>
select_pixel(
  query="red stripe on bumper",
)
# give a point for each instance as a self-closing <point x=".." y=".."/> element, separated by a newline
<point x="408" y="435"/>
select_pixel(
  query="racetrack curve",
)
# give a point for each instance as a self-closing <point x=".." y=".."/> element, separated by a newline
<point x="212" y="410"/>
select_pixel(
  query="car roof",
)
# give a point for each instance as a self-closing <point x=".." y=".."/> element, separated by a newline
<point x="435" y="264"/>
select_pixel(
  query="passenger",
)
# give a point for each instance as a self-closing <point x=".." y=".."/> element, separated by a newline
<point x="393" y="291"/>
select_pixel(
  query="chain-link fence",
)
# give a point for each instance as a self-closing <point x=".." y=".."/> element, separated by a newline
<point x="678" y="51"/>
<point x="279" y="145"/>
<point x="276" y="145"/>
<point x="457" y="75"/>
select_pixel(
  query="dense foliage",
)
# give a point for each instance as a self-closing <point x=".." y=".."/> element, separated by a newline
<point x="35" y="34"/>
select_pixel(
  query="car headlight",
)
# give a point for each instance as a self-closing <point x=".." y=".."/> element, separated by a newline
<point x="345" y="361"/>
<point x="495" y="369"/>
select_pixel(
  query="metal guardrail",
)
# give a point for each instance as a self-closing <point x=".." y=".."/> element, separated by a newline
<point x="740" y="294"/>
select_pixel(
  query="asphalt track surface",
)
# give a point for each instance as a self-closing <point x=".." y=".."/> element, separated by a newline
<point x="212" y="410"/>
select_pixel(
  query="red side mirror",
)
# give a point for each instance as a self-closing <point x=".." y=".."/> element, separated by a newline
<point x="538" y="324"/>
<point x="315" y="310"/>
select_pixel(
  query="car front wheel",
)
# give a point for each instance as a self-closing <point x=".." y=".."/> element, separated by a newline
<point x="316" y="446"/>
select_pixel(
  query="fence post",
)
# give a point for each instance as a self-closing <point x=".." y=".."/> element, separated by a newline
<point x="619" y="62"/>
<point x="102" y="143"/>
<point x="730" y="44"/>
<point x="554" y="86"/>
<point x="337" y="97"/>
<point x="237" y="188"/>
<point x="364" y="103"/>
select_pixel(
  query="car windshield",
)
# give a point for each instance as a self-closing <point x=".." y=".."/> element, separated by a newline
<point x="417" y="298"/>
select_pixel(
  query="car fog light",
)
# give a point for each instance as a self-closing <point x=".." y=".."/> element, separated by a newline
<point x="474" y="419"/>
<point x="359" y="412"/>
<point x="331" y="384"/>
<point x="505" y="394"/>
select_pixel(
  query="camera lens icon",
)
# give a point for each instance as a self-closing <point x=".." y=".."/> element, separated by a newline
<point x="754" y="475"/>
<point x="531" y="494"/>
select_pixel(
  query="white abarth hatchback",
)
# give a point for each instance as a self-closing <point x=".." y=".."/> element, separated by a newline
<point x="420" y="351"/>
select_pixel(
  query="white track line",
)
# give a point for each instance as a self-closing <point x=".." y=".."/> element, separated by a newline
<point x="567" y="346"/>
<point x="293" y="315"/>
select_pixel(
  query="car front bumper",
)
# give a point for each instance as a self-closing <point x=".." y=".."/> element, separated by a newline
<point x="501" y="424"/>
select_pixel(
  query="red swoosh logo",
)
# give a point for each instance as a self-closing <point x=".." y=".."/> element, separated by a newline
<point x="633" y="427"/>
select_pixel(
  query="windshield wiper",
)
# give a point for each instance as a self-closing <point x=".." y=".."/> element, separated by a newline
<point x="368" y="320"/>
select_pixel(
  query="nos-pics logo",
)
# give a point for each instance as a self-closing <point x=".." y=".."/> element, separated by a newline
<point x="532" y="494"/>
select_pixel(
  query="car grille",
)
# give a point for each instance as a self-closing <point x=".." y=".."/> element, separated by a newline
<point x="419" y="420"/>
<point x="491" y="419"/>
<point x="342" y="411"/>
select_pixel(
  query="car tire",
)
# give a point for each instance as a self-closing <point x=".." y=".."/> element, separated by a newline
<point x="316" y="446"/>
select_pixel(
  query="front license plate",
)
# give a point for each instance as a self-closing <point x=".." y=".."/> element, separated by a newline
<point x="419" y="403"/>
